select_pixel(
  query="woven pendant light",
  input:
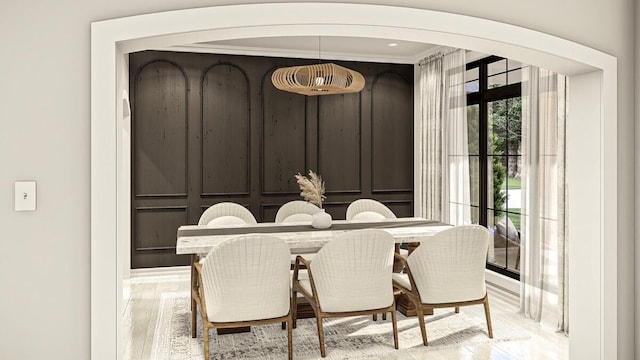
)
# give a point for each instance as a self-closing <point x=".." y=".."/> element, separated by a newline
<point x="318" y="79"/>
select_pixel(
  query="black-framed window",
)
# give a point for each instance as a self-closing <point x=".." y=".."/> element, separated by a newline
<point x="493" y="86"/>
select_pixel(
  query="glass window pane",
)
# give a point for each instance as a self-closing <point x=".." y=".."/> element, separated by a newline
<point x="472" y="87"/>
<point x="496" y="188"/>
<point x="516" y="219"/>
<point x="497" y="127"/>
<point x="471" y="74"/>
<point x="513" y="259"/>
<point x="513" y="184"/>
<point x="514" y="76"/>
<point x="497" y="81"/>
<point x="497" y="67"/>
<point x="513" y="241"/>
<point x="506" y="239"/>
<point x="513" y="130"/>
<point x="512" y="64"/>
<point x="474" y="180"/>
<point x="475" y="215"/>
<point x="473" y="135"/>
<point x="491" y="221"/>
<point x="497" y="250"/>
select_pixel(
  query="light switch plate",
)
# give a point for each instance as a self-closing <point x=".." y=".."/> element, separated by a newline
<point x="25" y="194"/>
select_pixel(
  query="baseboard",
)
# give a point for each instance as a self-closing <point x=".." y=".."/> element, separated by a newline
<point x="503" y="283"/>
<point x="161" y="271"/>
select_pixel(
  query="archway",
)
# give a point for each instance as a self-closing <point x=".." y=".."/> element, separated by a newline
<point x="593" y="99"/>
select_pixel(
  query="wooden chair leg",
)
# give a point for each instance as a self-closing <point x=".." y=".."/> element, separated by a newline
<point x="457" y="309"/>
<point x="384" y="316"/>
<point x="321" y="335"/>
<point x="285" y="323"/>
<point x="375" y="317"/>
<point x="194" y="290"/>
<point x="205" y="334"/>
<point x="194" y="317"/>
<point x="487" y="314"/>
<point x="394" y="320"/>
<point x="423" y="330"/>
<point x="290" y="337"/>
<point x="294" y="307"/>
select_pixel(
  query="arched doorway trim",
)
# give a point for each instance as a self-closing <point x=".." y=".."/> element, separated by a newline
<point x="593" y="76"/>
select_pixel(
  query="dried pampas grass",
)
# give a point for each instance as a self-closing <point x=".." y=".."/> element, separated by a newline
<point x="312" y="188"/>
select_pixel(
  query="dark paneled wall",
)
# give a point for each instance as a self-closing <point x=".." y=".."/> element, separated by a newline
<point x="208" y="128"/>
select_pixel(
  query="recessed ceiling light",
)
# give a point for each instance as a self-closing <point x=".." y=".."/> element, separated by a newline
<point x="392" y="44"/>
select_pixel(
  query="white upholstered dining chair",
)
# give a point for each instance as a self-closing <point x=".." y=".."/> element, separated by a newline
<point x="244" y="281"/>
<point x="350" y="276"/>
<point x="226" y="213"/>
<point x="372" y="210"/>
<point x="369" y="210"/>
<point x="447" y="270"/>
<point x="296" y="211"/>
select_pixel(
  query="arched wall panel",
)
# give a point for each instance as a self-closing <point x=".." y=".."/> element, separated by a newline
<point x="339" y="141"/>
<point x="226" y="119"/>
<point x="284" y="140"/>
<point x="392" y="133"/>
<point x="159" y="130"/>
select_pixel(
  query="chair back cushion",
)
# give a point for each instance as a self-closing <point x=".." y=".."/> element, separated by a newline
<point x="226" y="220"/>
<point x="368" y="216"/>
<point x="298" y="218"/>
<point x="226" y="209"/>
<point x="369" y="206"/>
<point x="353" y="271"/>
<point x="247" y="278"/>
<point x="296" y="211"/>
<point x="450" y="266"/>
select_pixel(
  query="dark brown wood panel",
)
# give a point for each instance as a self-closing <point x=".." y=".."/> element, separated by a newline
<point x="155" y="235"/>
<point x="268" y="211"/>
<point x="225" y="131"/>
<point x="392" y="133"/>
<point x="160" y="128"/>
<point x="402" y="208"/>
<point x="339" y="142"/>
<point x="209" y="128"/>
<point x="284" y="139"/>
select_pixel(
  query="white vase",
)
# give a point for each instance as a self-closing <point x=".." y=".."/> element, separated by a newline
<point x="321" y="220"/>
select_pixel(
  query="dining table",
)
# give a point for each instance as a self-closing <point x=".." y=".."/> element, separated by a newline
<point x="200" y="239"/>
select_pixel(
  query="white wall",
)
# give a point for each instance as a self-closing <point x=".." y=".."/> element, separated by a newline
<point x="44" y="136"/>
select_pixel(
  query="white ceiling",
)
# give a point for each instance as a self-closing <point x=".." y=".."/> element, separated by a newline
<point x="331" y="47"/>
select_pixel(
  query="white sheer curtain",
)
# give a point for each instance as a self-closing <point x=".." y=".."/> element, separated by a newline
<point x="543" y="255"/>
<point x="430" y="195"/>
<point x="456" y="183"/>
<point x="444" y="179"/>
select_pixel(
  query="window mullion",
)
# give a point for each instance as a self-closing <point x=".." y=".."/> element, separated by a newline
<point x="482" y="146"/>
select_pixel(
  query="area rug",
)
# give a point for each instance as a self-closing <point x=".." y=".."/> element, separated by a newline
<point x="345" y="338"/>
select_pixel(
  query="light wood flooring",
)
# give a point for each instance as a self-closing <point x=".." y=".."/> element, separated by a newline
<point x="141" y="304"/>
